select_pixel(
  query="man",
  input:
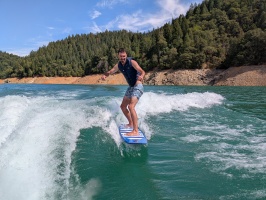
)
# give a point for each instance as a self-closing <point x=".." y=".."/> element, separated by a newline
<point x="134" y="75"/>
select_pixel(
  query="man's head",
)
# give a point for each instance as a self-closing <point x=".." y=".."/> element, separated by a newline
<point x="122" y="55"/>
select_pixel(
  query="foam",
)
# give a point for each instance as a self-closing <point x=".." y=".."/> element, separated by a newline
<point x="38" y="136"/>
<point x="153" y="104"/>
<point x="229" y="148"/>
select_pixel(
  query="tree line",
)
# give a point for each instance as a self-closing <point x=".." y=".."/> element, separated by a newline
<point x="213" y="34"/>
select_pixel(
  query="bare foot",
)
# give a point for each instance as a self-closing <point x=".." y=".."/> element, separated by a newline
<point x="128" y="126"/>
<point x="132" y="133"/>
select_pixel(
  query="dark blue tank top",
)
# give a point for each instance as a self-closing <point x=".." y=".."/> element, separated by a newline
<point x="129" y="72"/>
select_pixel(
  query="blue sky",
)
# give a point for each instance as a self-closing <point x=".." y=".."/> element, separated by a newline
<point x="27" y="25"/>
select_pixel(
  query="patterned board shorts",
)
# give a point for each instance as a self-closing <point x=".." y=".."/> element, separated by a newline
<point x="135" y="91"/>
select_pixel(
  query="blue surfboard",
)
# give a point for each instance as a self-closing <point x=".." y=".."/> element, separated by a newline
<point x="140" y="139"/>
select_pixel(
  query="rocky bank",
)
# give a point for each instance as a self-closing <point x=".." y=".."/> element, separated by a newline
<point x="234" y="76"/>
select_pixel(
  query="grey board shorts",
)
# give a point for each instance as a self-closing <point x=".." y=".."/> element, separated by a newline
<point x="135" y="91"/>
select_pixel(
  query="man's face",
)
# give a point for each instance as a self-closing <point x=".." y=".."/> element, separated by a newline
<point x="122" y="57"/>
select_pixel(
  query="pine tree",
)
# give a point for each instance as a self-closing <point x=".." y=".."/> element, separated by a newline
<point x="177" y="34"/>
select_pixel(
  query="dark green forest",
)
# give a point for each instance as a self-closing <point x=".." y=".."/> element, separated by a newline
<point x="213" y="34"/>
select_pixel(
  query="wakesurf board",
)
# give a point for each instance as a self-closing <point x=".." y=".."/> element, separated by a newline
<point x="139" y="139"/>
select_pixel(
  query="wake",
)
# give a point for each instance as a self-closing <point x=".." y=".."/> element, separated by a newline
<point x="38" y="135"/>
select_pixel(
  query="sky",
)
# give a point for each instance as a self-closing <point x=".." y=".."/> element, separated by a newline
<point x="27" y="25"/>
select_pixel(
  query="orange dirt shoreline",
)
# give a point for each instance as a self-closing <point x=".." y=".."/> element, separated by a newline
<point x="234" y="76"/>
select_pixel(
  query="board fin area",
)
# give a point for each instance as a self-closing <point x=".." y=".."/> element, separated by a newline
<point x="140" y="139"/>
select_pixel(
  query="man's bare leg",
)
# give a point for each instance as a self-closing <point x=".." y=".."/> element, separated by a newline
<point x="133" y="116"/>
<point x="124" y="108"/>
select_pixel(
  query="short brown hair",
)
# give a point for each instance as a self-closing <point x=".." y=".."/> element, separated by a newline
<point x="121" y="50"/>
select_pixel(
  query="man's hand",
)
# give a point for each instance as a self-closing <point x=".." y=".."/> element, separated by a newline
<point x="140" y="78"/>
<point x="104" y="76"/>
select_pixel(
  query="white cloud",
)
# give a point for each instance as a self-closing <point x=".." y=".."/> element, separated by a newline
<point x="140" y="21"/>
<point x="95" y="14"/>
<point x="50" y="28"/>
<point x="131" y="22"/>
<point x="67" y="30"/>
<point x="20" y="51"/>
<point x="110" y="25"/>
<point x="96" y="28"/>
<point x="110" y="3"/>
<point x="34" y="45"/>
<point x="93" y="29"/>
<point x="172" y="8"/>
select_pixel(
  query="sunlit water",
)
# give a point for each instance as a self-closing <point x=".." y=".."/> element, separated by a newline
<point x="62" y="142"/>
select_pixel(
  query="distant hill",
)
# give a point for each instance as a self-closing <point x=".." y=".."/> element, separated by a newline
<point x="8" y="63"/>
<point x="213" y="34"/>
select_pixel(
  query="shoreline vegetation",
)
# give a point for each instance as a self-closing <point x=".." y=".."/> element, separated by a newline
<point x="233" y="76"/>
<point x="215" y="43"/>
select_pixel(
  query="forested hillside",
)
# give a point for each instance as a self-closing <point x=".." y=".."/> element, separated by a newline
<point x="213" y="34"/>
